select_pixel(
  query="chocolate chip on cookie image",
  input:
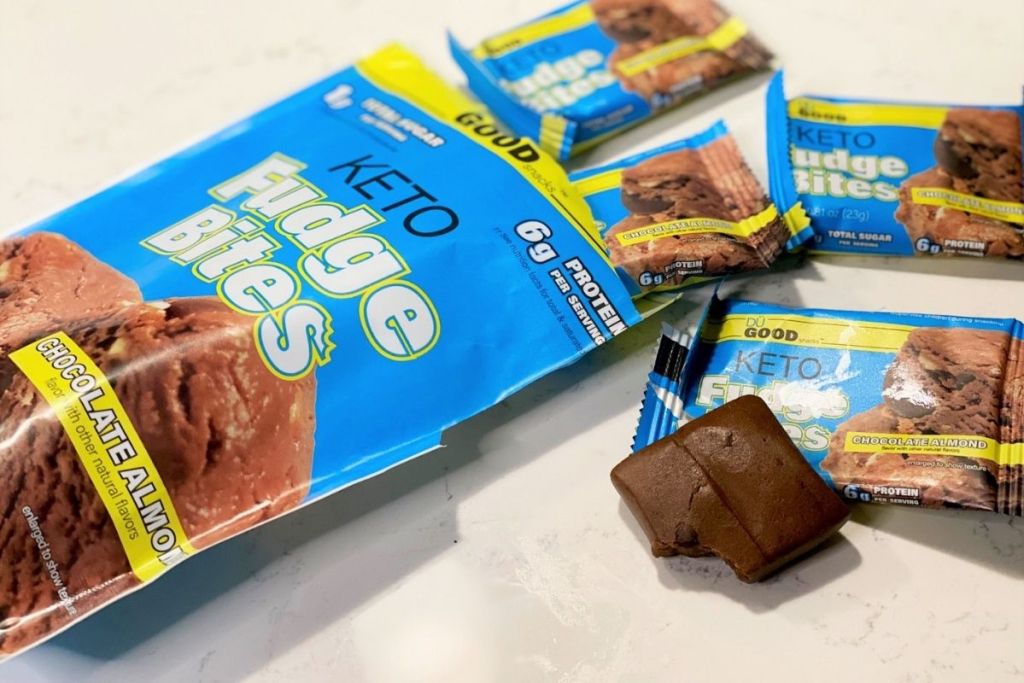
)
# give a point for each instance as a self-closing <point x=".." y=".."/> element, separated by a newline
<point x="949" y="381"/>
<point x="232" y="443"/>
<point x="664" y="52"/>
<point x="955" y="232"/>
<point x="980" y="149"/>
<point x="944" y="382"/>
<point x="46" y="279"/>
<point x="710" y="182"/>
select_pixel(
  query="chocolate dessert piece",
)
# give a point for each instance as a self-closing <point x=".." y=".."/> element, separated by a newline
<point x="929" y="480"/>
<point x="232" y="443"/>
<point x="641" y="26"/>
<point x="46" y="279"/>
<point x="980" y="149"/>
<point x="955" y="232"/>
<point x="731" y="484"/>
<point x="708" y="182"/>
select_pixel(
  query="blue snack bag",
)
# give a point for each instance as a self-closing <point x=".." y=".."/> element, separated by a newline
<point x="687" y="212"/>
<point x="580" y="74"/>
<point x="900" y="179"/>
<point x="895" y="408"/>
<point x="301" y="301"/>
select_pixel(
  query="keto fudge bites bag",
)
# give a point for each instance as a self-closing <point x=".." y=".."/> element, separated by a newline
<point x="686" y="212"/>
<point x="896" y="408"/>
<point x="584" y="72"/>
<point x="899" y="178"/>
<point x="230" y="334"/>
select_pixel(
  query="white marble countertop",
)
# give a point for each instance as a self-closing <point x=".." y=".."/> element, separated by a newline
<point x="507" y="556"/>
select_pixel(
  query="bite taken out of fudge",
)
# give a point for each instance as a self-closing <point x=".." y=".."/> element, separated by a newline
<point x="731" y="484"/>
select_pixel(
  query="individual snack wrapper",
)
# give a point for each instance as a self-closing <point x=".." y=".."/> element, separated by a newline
<point x="582" y="73"/>
<point x="229" y="334"/>
<point x="687" y="212"/>
<point x="908" y="409"/>
<point x="900" y="179"/>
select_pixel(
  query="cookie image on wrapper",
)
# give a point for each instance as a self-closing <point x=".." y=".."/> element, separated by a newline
<point x="978" y="154"/>
<point x="46" y="279"/>
<point x="232" y="443"/>
<point x="670" y="49"/>
<point x="980" y="150"/>
<point x="943" y="382"/>
<point x="708" y="182"/>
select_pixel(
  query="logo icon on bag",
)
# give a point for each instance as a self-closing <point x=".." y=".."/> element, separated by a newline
<point x="340" y="97"/>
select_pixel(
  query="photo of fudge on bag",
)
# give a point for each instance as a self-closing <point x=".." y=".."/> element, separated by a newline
<point x="685" y="212"/>
<point x="944" y="382"/>
<point x="954" y="208"/>
<point x="667" y="50"/>
<point x="230" y="443"/>
<point x="584" y="72"/>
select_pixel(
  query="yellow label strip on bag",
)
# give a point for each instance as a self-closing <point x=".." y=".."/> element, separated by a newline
<point x="953" y="445"/>
<point x="698" y="226"/>
<point x="1010" y="212"/>
<point x="814" y="332"/>
<point x="858" y="114"/>
<point x="730" y="32"/>
<point x="110" y="451"/>
<point x="576" y="17"/>
<point x="600" y="182"/>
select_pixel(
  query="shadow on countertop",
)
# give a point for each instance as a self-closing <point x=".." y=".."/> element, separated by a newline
<point x="834" y="558"/>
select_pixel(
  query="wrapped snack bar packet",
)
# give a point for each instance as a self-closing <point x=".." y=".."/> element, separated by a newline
<point x="686" y="212"/>
<point x="585" y="72"/>
<point x="909" y="409"/>
<point x="900" y="179"/>
<point x="231" y="333"/>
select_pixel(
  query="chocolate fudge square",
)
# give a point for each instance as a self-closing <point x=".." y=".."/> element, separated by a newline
<point x="956" y="232"/>
<point x="980" y="149"/>
<point x="731" y="484"/>
<point x="232" y="443"/>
